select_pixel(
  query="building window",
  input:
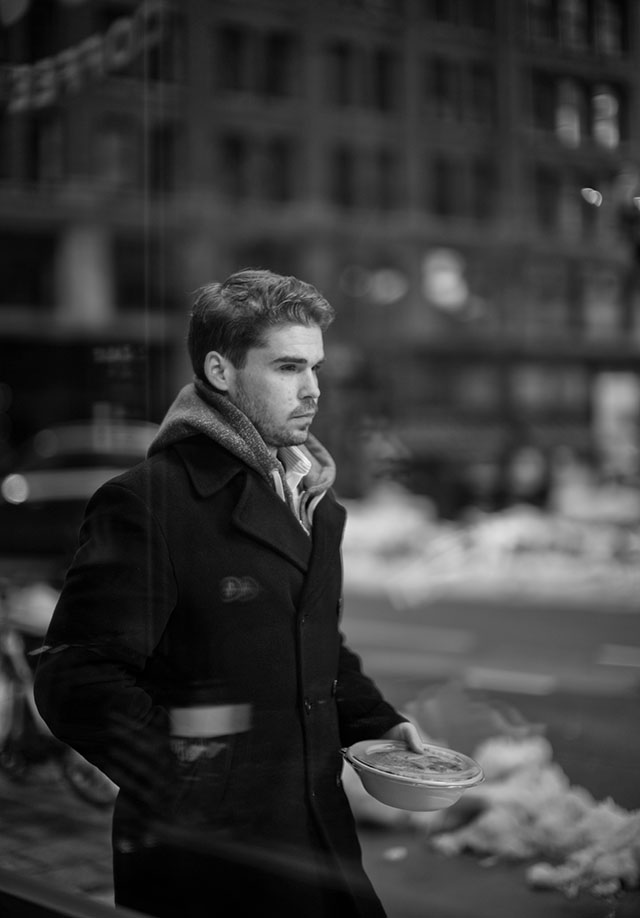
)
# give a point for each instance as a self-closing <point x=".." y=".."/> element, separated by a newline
<point x="278" y="170"/>
<point x="571" y="113"/>
<point x="444" y="88"/>
<point x="476" y="387"/>
<point x="231" y="59"/>
<point x="27" y="269"/>
<point x="343" y="177"/>
<point x="280" y="64"/>
<point x="41" y="30"/>
<point x="601" y="306"/>
<point x="385" y="180"/>
<point x="234" y="166"/>
<point x="547" y="391"/>
<point x="162" y="158"/>
<point x="342" y="72"/>
<point x="571" y="211"/>
<point x="440" y="10"/>
<point x="252" y="168"/>
<point x="163" y="60"/>
<point x="482" y="93"/>
<point x="610" y="27"/>
<point x="446" y="186"/>
<point x="161" y="54"/>
<point x="479" y="14"/>
<point x="5" y="147"/>
<point x="546" y="185"/>
<point x="362" y="77"/>
<point x="543" y="102"/>
<point x="141" y="270"/>
<point x="280" y="255"/>
<point x="573" y="22"/>
<point x="475" y="14"/>
<point x="46" y="148"/>
<point x="383" y="83"/>
<point x="591" y="198"/>
<point x="117" y="148"/>
<point x="246" y="61"/>
<point x="548" y="283"/>
<point x="484" y="188"/>
<point x="456" y="91"/>
<point x="580" y="25"/>
<point x="569" y="204"/>
<point x="605" y="113"/>
<point x="541" y="22"/>
<point x="576" y="111"/>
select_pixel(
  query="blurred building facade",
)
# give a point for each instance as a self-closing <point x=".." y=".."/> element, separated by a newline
<point x="460" y="177"/>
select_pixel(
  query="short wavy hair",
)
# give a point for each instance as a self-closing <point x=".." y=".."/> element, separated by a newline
<point x="233" y="316"/>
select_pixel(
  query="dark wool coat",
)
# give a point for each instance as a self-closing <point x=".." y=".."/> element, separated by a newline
<point x="195" y="584"/>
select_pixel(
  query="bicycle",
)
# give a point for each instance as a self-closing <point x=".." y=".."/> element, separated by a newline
<point x="28" y="749"/>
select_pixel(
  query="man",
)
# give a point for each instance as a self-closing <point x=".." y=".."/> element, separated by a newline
<point x="195" y="654"/>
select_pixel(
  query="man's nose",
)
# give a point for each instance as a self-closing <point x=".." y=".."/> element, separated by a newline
<point x="310" y="387"/>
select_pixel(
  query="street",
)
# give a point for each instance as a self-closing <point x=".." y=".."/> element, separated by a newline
<point x="513" y="644"/>
<point x="570" y="669"/>
<point x="573" y="670"/>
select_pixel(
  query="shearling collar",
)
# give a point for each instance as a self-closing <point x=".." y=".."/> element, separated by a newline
<point x="200" y="409"/>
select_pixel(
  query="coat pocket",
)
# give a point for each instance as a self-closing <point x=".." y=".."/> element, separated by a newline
<point x="203" y="767"/>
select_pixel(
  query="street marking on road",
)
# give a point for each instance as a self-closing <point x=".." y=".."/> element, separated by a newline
<point x="416" y="664"/>
<point x="485" y="677"/>
<point x="409" y="665"/>
<point x="394" y="634"/>
<point x="618" y="655"/>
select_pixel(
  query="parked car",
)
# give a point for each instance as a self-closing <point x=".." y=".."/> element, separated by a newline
<point x="42" y="498"/>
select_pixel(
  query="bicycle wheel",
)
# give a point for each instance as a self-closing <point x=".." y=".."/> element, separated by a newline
<point x="7" y="701"/>
<point x="12" y="761"/>
<point x="88" y="782"/>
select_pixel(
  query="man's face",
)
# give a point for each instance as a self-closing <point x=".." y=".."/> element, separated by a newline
<point x="278" y="386"/>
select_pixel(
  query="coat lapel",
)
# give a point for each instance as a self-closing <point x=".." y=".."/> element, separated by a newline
<point x="261" y="514"/>
<point x="328" y="526"/>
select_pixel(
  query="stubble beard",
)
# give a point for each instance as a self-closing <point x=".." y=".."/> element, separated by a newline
<point x="273" y="435"/>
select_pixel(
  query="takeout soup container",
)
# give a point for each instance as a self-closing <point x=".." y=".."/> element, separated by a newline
<point x="433" y="780"/>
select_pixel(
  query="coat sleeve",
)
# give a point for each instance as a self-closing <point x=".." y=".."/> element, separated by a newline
<point x="112" y="611"/>
<point x="363" y="712"/>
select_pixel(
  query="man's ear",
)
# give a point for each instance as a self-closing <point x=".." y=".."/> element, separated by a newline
<point x="217" y="369"/>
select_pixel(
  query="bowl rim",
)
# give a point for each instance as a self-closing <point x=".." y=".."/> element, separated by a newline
<point x="477" y="777"/>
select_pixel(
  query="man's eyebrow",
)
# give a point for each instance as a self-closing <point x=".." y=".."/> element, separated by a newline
<point x="297" y="360"/>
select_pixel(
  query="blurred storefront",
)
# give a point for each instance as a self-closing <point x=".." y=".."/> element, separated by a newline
<point x="457" y="176"/>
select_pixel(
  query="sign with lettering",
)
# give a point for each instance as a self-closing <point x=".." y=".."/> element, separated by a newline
<point x="34" y="86"/>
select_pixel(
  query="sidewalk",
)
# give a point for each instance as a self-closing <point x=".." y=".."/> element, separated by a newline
<point x="49" y="836"/>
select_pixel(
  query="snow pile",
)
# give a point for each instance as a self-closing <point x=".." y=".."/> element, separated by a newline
<point x="527" y="810"/>
<point x="395" y="543"/>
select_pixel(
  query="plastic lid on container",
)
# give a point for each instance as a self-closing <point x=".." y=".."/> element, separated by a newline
<point x="435" y="765"/>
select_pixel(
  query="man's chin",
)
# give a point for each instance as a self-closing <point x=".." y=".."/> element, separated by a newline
<point x="294" y="437"/>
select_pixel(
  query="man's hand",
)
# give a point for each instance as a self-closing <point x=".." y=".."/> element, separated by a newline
<point x="141" y="763"/>
<point x="408" y="733"/>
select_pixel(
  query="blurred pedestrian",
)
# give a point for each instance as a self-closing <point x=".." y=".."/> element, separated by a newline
<point x="523" y="477"/>
<point x="195" y="654"/>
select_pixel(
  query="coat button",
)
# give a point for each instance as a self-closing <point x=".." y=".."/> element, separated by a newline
<point x="334" y="688"/>
<point x="307" y="705"/>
